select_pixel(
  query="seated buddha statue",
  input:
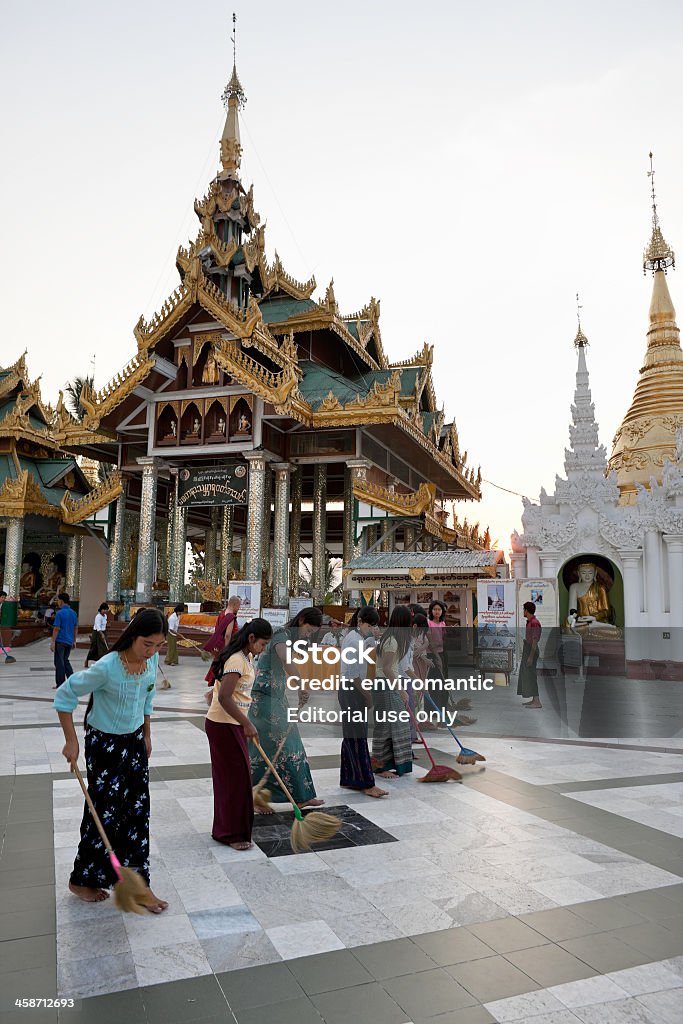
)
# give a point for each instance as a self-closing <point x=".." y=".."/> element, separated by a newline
<point x="27" y="581"/>
<point x="590" y="598"/>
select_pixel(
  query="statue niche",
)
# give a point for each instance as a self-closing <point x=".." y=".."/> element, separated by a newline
<point x="167" y="426"/>
<point x="590" y="611"/>
<point x="206" y="369"/>
<point x="216" y="424"/>
<point x="191" y="425"/>
<point x="240" y="420"/>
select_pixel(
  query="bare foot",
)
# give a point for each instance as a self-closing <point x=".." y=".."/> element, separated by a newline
<point x="264" y="810"/>
<point x="534" y="705"/>
<point x="386" y="775"/>
<point x="241" y="846"/>
<point x="88" y="894"/>
<point x="155" y="905"/>
<point x="375" y="791"/>
<point x="311" y="803"/>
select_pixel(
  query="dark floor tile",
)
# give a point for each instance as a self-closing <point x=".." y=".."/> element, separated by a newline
<point x="654" y="939"/>
<point x="294" y="1011"/>
<point x="41" y="858"/>
<point x="328" y="971"/>
<point x="178" y="1001"/>
<point x="428" y="993"/>
<point x="452" y="946"/>
<point x="651" y="903"/>
<point x="37" y="983"/>
<point x="607" y="914"/>
<point x="393" y="958"/>
<point x="42" y="1016"/>
<point x="25" y="954"/>
<point x="22" y="924"/>
<point x="24" y="878"/>
<point x="30" y="835"/>
<point x="110" y="1009"/>
<point x="259" y="986"/>
<point x="604" y="953"/>
<point x="360" y="1005"/>
<point x="507" y="934"/>
<point x="550" y="965"/>
<point x="560" y="924"/>
<point x="492" y="978"/>
<point x="40" y="897"/>
<point x="470" y="1015"/>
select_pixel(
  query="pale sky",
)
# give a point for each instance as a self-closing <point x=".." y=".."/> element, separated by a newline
<point x="472" y="166"/>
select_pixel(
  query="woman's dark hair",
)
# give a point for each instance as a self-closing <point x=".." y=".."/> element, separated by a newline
<point x="145" y="622"/>
<point x="420" y="621"/>
<point x="179" y="608"/>
<point x="260" y="629"/>
<point x="104" y="607"/>
<point x="399" y="627"/>
<point x="416" y="609"/>
<point x="306" y="617"/>
<point x="441" y="605"/>
<point x="369" y="615"/>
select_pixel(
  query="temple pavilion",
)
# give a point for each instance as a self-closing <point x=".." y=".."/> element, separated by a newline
<point x="47" y="506"/>
<point x="261" y="423"/>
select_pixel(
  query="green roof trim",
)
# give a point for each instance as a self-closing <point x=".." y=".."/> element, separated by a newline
<point x="277" y="310"/>
<point x="319" y="380"/>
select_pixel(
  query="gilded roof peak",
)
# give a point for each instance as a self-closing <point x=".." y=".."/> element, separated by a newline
<point x="658" y="255"/>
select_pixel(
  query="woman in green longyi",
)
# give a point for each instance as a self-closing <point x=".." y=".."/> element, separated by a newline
<point x="268" y="713"/>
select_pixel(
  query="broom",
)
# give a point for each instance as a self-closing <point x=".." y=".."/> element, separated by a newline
<point x="261" y="796"/>
<point x="316" y="827"/>
<point x="466" y="756"/>
<point x="167" y="685"/>
<point x="131" y="893"/>
<point x="185" y="641"/>
<point x="438" y="772"/>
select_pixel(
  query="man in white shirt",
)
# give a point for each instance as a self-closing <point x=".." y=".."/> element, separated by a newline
<point x="172" y="638"/>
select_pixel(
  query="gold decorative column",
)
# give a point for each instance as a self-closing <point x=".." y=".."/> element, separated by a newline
<point x="255" y="514"/>
<point x="267" y="520"/>
<point x="408" y="538"/>
<point x="116" y="549"/>
<point x="227" y="527"/>
<point x="319" y="530"/>
<point x="74" y="557"/>
<point x="243" y="555"/>
<point x="169" y="525"/>
<point x="177" y="574"/>
<point x="281" y="471"/>
<point x="387" y="537"/>
<point x="143" y="586"/>
<point x="210" y="542"/>
<point x="370" y="536"/>
<point x="296" y="483"/>
<point x="161" y="537"/>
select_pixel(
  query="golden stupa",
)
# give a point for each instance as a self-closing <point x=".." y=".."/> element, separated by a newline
<point x="646" y="438"/>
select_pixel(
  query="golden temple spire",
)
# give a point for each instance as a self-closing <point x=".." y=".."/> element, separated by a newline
<point x="234" y="99"/>
<point x="658" y="255"/>
<point x="646" y="438"/>
<point x="580" y="341"/>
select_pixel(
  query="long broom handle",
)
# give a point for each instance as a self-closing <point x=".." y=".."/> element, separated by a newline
<point x="259" y="785"/>
<point x="424" y="744"/>
<point x="436" y="708"/>
<point x="297" y="812"/>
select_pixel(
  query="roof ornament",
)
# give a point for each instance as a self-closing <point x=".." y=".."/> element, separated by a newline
<point x="580" y="341"/>
<point x="658" y="255"/>
<point x="234" y="99"/>
<point x="234" y="86"/>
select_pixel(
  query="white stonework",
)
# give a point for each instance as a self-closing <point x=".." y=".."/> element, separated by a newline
<point x="644" y="541"/>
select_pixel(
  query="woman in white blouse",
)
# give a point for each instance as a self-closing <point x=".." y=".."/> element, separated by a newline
<point x="98" y="640"/>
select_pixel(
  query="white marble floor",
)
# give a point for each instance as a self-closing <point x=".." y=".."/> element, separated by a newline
<point x="462" y="857"/>
<point x="660" y="807"/>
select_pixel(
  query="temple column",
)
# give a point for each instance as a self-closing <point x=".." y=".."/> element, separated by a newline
<point x="14" y="543"/>
<point x="74" y="557"/>
<point x="370" y="536"/>
<point x="210" y="541"/>
<point x="177" y="574"/>
<point x="549" y="560"/>
<point x="227" y="528"/>
<point x="116" y="550"/>
<point x="319" y="530"/>
<point x="533" y="563"/>
<point x="295" y="487"/>
<point x="631" y="562"/>
<point x="408" y="538"/>
<point x="653" y="576"/>
<point x="674" y="546"/>
<point x="518" y="560"/>
<point x="172" y="495"/>
<point x="267" y="520"/>
<point x="143" y="585"/>
<point x="161" y="536"/>
<point x="257" y="487"/>
<point x="243" y="555"/>
<point x="281" y="472"/>
<point x="387" y="538"/>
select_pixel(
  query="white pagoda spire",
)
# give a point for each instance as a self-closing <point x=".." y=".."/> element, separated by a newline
<point x="585" y="454"/>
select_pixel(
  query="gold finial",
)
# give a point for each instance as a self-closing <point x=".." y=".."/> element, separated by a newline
<point x="580" y="341"/>
<point x="234" y="99"/>
<point x="658" y="255"/>
<point x="234" y="87"/>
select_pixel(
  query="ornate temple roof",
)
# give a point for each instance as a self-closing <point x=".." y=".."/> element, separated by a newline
<point x="646" y="439"/>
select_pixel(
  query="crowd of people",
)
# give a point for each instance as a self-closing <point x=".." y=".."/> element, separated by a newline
<point x="249" y="680"/>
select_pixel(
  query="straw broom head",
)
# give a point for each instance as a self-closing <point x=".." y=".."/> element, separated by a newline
<point x="131" y="895"/>
<point x="467" y="756"/>
<point x="441" y="773"/>
<point x="316" y="827"/>
<point x="261" y="798"/>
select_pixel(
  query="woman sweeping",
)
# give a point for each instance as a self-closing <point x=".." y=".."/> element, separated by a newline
<point x="268" y="714"/>
<point x="98" y="640"/>
<point x="228" y="730"/>
<point x="356" y="765"/>
<point x="118" y="744"/>
<point x="391" y="747"/>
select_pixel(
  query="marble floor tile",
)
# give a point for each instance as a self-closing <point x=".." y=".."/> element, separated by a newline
<point x="637" y="981"/>
<point x="210" y="924"/>
<point x="84" y="940"/>
<point x="587" y="991"/>
<point x="79" y="979"/>
<point x="624" y="1011"/>
<point x="525" y="1007"/>
<point x="666" y="1007"/>
<point x="304" y="939"/>
<point x="154" y="965"/>
<point x="235" y="952"/>
<point x="414" y="918"/>
<point x="147" y="931"/>
<point x="300" y="864"/>
<point x="363" y="929"/>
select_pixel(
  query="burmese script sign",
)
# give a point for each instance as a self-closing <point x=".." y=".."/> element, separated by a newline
<point x="214" y="485"/>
